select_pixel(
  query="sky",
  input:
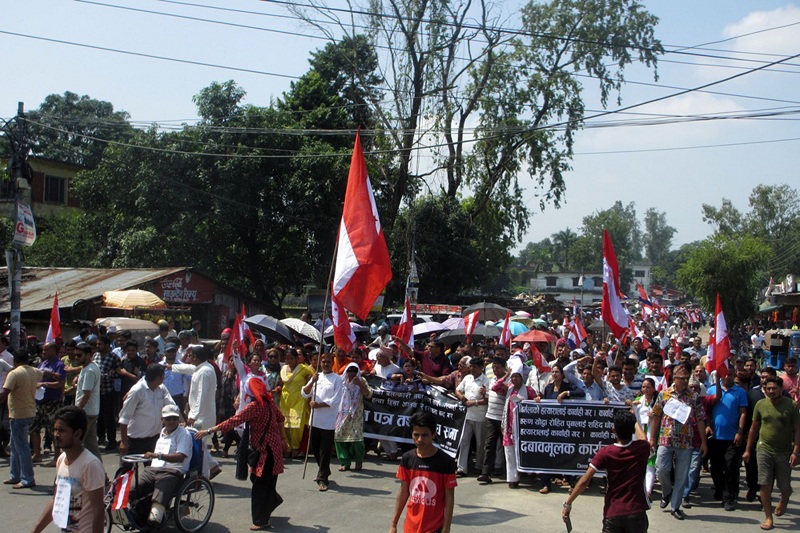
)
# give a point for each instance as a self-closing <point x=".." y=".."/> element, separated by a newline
<point x="675" y="168"/>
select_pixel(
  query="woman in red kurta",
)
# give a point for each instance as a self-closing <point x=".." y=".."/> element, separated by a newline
<point x="265" y="423"/>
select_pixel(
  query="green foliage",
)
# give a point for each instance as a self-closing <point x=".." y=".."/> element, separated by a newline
<point x="657" y="237"/>
<point x="61" y="242"/>
<point x="69" y="127"/>
<point x="623" y="227"/>
<point x="728" y="265"/>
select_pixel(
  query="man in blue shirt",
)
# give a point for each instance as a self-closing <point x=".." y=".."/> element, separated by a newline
<point x="729" y="415"/>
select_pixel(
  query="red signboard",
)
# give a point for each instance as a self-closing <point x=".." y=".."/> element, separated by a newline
<point x="185" y="288"/>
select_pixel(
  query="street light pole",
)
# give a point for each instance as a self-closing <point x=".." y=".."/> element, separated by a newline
<point x="19" y="162"/>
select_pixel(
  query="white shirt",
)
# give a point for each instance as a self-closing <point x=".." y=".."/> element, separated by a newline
<point x="471" y="387"/>
<point x="141" y="410"/>
<point x="8" y="358"/>
<point x="328" y="389"/>
<point x="179" y="441"/>
<point x="202" y="396"/>
<point x="386" y="371"/>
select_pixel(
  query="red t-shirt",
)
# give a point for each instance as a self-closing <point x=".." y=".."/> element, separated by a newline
<point x="428" y="478"/>
<point x="625" y="466"/>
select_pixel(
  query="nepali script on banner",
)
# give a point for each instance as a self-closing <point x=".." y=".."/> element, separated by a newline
<point x="562" y="437"/>
<point x="386" y="414"/>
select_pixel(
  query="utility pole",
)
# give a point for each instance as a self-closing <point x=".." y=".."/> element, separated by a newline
<point x="19" y="166"/>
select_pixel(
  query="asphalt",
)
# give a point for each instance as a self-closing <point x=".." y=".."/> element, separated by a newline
<point x="363" y="502"/>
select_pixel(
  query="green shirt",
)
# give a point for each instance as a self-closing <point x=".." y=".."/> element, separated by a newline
<point x="778" y="421"/>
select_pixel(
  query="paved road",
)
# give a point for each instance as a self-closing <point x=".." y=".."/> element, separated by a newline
<point x="362" y="502"/>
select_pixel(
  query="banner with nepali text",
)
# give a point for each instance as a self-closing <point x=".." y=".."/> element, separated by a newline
<point x="387" y="413"/>
<point x="561" y="437"/>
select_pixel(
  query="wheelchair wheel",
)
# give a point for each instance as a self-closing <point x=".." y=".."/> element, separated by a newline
<point x="194" y="503"/>
<point x="108" y="524"/>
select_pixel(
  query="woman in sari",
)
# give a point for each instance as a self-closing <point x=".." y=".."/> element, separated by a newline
<point x="265" y="423"/>
<point x="294" y="407"/>
<point x="349" y="430"/>
<point x="515" y="393"/>
<point x="272" y="373"/>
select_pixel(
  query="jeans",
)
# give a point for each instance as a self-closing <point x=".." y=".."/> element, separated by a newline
<point x="664" y="458"/>
<point x="21" y="470"/>
<point x="694" y="473"/>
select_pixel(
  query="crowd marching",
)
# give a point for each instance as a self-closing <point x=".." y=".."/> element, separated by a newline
<point x="276" y="402"/>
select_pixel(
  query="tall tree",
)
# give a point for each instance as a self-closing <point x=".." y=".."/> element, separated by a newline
<point x="657" y="236"/>
<point x="75" y="129"/>
<point x="562" y="242"/>
<point x="726" y="220"/>
<point x="728" y="265"/>
<point x="448" y="65"/>
<point x="623" y="226"/>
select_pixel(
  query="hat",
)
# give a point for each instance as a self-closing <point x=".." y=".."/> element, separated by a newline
<point x="170" y="410"/>
<point x="170" y="347"/>
<point x="559" y="342"/>
<point x="111" y="329"/>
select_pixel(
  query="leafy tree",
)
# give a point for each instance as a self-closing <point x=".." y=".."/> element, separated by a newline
<point x="74" y="129"/>
<point x="622" y="226"/>
<point x="657" y="237"/>
<point x="727" y="220"/>
<point x="729" y="265"/>
<point x="447" y="64"/>
<point x="562" y="242"/>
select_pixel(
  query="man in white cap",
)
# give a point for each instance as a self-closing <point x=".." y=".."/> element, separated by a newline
<point x="171" y="458"/>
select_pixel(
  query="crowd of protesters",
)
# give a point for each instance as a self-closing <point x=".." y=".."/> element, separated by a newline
<point x="292" y="400"/>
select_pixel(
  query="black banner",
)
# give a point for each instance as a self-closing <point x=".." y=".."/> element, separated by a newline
<point x="386" y="414"/>
<point x="561" y="437"/>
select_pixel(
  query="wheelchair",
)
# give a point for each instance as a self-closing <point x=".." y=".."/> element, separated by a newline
<point x="190" y="508"/>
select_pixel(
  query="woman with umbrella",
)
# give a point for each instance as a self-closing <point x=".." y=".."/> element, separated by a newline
<point x="294" y="376"/>
<point x="265" y="423"/>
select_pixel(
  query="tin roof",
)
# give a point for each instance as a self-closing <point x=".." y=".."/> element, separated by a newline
<point x="39" y="285"/>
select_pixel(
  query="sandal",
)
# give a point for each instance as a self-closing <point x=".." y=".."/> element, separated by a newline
<point x="344" y="468"/>
<point x="766" y="526"/>
<point x="260" y="528"/>
<point x="358" y="467"/>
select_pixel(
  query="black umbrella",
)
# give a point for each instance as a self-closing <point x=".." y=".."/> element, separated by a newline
<point x="458" y="335"/>
<point x="487" y="310"/>
<point x="273" y="328"/>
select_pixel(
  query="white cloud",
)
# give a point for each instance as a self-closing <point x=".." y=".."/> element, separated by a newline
<point x="782" y="41"/>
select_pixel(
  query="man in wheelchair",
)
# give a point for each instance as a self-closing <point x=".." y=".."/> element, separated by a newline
<point x="170" y="463"/>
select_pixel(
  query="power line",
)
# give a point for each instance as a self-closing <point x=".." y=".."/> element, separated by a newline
<point x="695" y="147"/>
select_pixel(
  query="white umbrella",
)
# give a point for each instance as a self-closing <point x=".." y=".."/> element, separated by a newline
<point x="357" y="328"/>
<point x="453" y="323"/>
<point x="303" y="328"/>
<point x="426" y="328"/>
<point x="522" y="313"/>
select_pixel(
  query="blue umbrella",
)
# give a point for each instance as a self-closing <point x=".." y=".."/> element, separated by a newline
<point x="517" y="328"/>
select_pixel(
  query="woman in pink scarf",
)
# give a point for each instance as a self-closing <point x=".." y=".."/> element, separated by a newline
<point x="515" y="393"/>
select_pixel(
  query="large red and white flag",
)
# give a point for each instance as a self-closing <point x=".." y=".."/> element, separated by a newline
<point x="405" y="330"/>
<point x="343" y="335"/>
<point x="612" y="311"/>
<point x="722" y="344"/>
<point x="362" y="259"/>
<point x="505" y="334"/>
<point x="470" y="321"/>
<point x="54" y="330"/>
<point x="235" y="338"/>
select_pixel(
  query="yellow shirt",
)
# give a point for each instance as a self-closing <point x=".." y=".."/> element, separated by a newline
<point x="21" y="383"/>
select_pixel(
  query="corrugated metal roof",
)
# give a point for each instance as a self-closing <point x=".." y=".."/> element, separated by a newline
<point x="39" y="285"/>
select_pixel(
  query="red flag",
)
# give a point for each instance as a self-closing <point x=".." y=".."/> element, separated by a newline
<point x="362" y="259"/>
<point x="343" y="335"/>
<point x="722" y="344"/>
<point x="505" y="335"/>
<point x="538" y="360"/>
<point x="612" y="310"/>
<point x="54" y="330"/>
<point x="122" y="490"/>
<point x="245" y="328"/>
<point x="236" y="337"/>
<point x="470" y="321"/>
<point x="406" y="328"/>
